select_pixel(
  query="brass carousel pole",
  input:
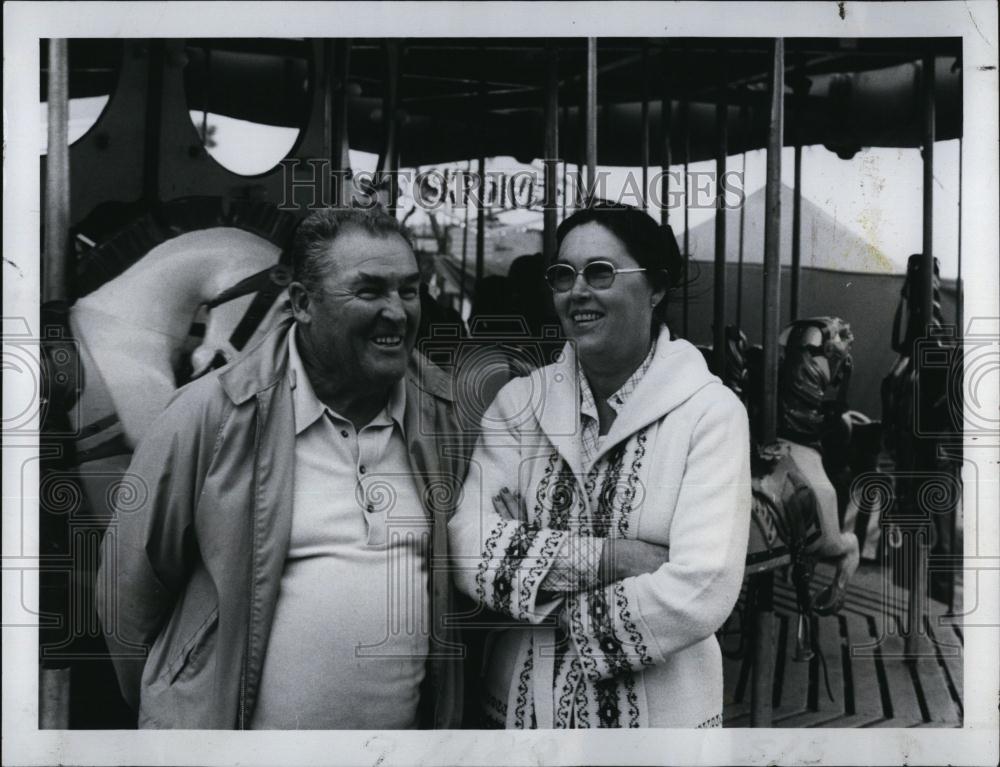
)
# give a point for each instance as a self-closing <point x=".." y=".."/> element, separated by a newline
<point x="925" y="453"/>
<point x="388" y="168"/>
<point x="465" y="237"/>
<point x="54" y="683"/>
<point x="591" y="124"/>
<point x="551" y="151"/>
<point x="481" y="202"/>
<point x="801" y="86"/>
<point x="745" y="124"/>
<point x="338" y="59"/>
<point x="763" y="650"/>
<point x="959" y="335"/>
<point x="644" y="126"/>
<point x="719" y="271"/>
<point x="686" y="122"/>
<point x="665" y="127"/>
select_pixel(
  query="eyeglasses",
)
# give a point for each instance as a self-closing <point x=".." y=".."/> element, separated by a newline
<point x="599" y="275"/>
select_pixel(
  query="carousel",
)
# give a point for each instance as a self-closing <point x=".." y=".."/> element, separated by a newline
<point x="162" y="263"/>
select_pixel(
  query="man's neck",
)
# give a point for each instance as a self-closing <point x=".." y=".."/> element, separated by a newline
<point x="358" y="404"/>
<point x="356" y="401"/>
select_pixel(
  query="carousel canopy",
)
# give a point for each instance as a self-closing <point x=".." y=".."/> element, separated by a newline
<point x="459" y="98"/>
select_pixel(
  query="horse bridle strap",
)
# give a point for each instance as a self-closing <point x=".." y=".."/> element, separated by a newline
<point x="267" y="285"/>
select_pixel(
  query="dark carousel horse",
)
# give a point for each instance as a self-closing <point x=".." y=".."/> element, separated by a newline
<point x="922" y="410"/>
<point x="795" y="520"/>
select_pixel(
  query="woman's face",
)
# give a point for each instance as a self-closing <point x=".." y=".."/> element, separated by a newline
<point x="612" y="324"/>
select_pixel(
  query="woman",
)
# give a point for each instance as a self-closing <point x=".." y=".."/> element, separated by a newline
<point x="608" y="503"/>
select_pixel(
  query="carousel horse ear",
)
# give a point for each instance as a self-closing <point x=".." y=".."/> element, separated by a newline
<point x="204" y="358"/>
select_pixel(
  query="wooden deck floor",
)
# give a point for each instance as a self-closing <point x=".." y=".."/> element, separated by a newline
<point x="870" y="684"/>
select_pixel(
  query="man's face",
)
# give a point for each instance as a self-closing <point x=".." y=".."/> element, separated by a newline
<point x="360" y="323"/>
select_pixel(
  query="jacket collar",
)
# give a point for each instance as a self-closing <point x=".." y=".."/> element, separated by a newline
<point x="266" y="364"/>
<point x="307" y="406"/>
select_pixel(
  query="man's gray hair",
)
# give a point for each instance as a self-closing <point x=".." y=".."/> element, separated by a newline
<point x="318" y="230"/>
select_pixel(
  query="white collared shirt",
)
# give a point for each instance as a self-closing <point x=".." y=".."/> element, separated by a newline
<point x="348" y="641"/>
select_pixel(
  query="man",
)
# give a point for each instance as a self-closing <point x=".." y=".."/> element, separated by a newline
<point x="278" y="567"/>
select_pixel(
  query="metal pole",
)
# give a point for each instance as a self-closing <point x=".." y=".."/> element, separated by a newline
<point x="565" y="173"/>
<point x="54" y="683"/>
<point x="763" y="665"/>
<point x="925" y="457"/>
<point x="739" y="265"/>
<point x="56" y="274"/>
<point x="686" y="119"/>
<point x="793" y="303"/>
<point x="338" y="60"/>
<point x="927" y="260"/>
<point x="772" y="244"/>
<point x="152" y="127"/>
<point x="959" y="335"/>
<point x="644" y="124"/>
<point x="388" y="164"/>
<point x="551" y="152"/>
<point x="591" y="117"/>
<point x="959" y="313"/>
<point x="665" y="126"/>
<point x="465" y="235"/>
<point x="799" y="94"/>
<point x="481" y="202"/>
<point x="719" y="272"/>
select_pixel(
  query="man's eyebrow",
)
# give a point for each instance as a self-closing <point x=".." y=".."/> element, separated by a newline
<point x="381" y="280"/>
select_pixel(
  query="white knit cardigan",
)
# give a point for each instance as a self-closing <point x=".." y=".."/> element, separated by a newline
<point x="645" y="644"/>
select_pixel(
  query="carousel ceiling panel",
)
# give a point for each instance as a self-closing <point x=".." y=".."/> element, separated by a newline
<point x="462" y="96"/>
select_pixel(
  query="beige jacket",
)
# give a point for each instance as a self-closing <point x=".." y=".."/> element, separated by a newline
<point x="192" y="563"/>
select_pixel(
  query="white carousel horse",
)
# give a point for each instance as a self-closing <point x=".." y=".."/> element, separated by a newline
<point x="133" y="334"/>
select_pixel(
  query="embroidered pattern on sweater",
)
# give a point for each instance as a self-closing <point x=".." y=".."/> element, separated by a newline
<point x="523" y="686"/>
<point x="543" y="486"/>
<point x="607" y="497"/>
<point x="712" y="722"/>
<point x="632" y="482"/>
<point x="567" y="692"/>
<point x="608" y="712"/>
<point x="634" y="636"/>
<point x="563" y="499"/>
<point x="632" y="698"/>
<point x="595" y="684"/>
<point x="517" y="550"/>
<point x="488" y="550"/>
<point x="550" y="545"/>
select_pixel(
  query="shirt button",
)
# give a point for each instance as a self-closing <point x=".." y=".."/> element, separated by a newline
<point x="362" y="469"/>
<point x="344" y="434"/>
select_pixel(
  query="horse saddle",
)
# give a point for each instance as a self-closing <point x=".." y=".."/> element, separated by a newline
<point x="784" y="513"/>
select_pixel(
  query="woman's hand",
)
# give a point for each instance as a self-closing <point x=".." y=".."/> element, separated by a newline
<point x="626" y="558"/>
<point x="510" y="506"/>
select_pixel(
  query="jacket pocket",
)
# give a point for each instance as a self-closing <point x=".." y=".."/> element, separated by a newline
<point x="193" y="654"/>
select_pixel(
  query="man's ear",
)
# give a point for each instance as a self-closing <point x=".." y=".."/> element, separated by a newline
<point x="298" y="296"/>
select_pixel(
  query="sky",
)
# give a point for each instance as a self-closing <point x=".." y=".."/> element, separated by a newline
<point x="877" y="194"/>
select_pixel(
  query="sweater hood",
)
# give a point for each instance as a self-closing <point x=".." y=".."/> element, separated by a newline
<point x="677" y="372"/>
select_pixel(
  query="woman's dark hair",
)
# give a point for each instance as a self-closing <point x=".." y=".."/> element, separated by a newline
<point x="653" y="247"/>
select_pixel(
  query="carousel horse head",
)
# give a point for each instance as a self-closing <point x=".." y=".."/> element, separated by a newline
<point x="142" y="289"/>
<point x="815" y="368"/>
